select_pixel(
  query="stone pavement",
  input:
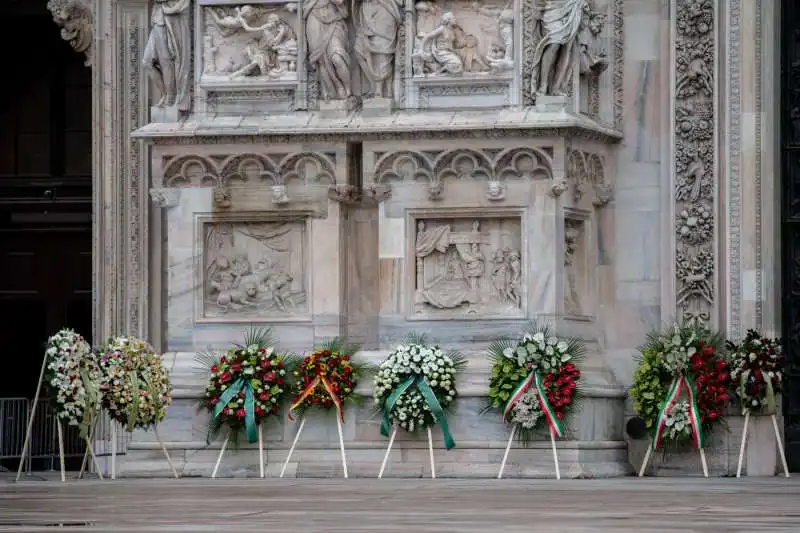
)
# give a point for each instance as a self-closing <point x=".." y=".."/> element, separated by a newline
<point x="650" y="505"/>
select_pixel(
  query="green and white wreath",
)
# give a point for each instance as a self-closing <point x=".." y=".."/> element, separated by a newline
<point x="72" y="378"/>
<point x="416" y="385"/>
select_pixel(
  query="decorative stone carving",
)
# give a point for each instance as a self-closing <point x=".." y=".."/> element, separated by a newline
<point x="467" y="267"/>
<point x="257" y="42"/>
<point x="495" y="191"/>
<point x="604" y="194"/>
<point x="559" y="187"/>
<point x="255" y="270"/>
<point x="165" y="197"/>
<point x="76" y="19"/>
<point x="167" y="56"/>
<point x="694" y="158"/>
<point x="329" y="46"/>
<point x="563" y="25"/>
<point x="377" y="25"/>
<point x="222" y="198"/>
<point x="573" y="269"/>
<point x="456" y="37"/>
<point x="435" y="168"/>
<point x="310" y="168"/>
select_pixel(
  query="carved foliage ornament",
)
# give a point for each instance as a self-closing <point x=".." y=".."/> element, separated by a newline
<point x="694" y="170"/>
<point x="76" y="19"/>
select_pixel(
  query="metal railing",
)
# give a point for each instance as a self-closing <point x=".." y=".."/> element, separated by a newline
<point x="14" y="416"/>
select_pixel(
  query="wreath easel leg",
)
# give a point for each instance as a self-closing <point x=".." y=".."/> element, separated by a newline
<point x="741" y="446"/>
<point x="555" y="452"/>
<point x="166" y="453"/>
<point x="29" y="429"/>
<point x="294" y="443"/>
<point x="261" y="449"/>
<point x="703" y="461"/>
<point x="646" y="459"/>
<point x="86" y="453"/>
<point x="113" y="450"/>
<point x="508" y="449"/>
<point x="388" y="451"/>
<point x="219" y="457"/>
<point x="780" y="445"/>
<point x="430" y="450"/>
<point x="60" y="431"/>
<point x="341" y="445"/>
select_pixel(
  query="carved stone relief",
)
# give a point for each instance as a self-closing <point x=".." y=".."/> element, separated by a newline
<point x="251" y="41"/>
<point x="455" y="37"/>
<point x="255" y="270"/>
<point x="694" y="158"/>
<point x="76" y="19"/>
<point x="467" y="267"/>
<point x="494" y="167"/>
<point x="167" y="57"/>
<point x="563" y="26"/>
<point x="277" y="170"/>
<point x="586" y="174"/>
<point x="575" y="270"/>
<point x="377" y="24"/>
<point x="329" y="51"/>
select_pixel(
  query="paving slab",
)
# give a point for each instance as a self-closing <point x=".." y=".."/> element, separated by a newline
<point x="649" y="505"/>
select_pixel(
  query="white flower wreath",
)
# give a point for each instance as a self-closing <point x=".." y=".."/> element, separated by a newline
<point x="72" y="377"/>
<point x="413" y="361"/>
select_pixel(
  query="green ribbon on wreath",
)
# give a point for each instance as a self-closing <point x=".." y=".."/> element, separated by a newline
<point x="430" y="398"/>
<point x="771" y="408"/>
<point x="232" y="392"/>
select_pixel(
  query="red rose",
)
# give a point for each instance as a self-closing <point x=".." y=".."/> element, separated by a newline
<point x="346" y="357"/>
<point x="559" y="415"/>
<point x="236" y="367"/>
<point x="225" y="377"/>
<point x="214" y="401"/>
<point x="259" y="411"/>
<point x="223" y="360"/>
<point x="215" y="369"/>
<point x="348" y="370"/>
<point x="265" y="363"/>
<point x="240" y="413"/>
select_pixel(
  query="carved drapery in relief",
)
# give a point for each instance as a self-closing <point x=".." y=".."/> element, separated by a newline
<point x="694" y="158"/>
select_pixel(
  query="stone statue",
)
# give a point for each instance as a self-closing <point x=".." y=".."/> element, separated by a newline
<point x="276" y="51"/>
<point x="328" y="46"/>
<point x="553" y="57"/>
<point x="501" y="56"/>
<point x="376" y="43"/>
<point x="438" y="48"/>
<point x="167" y="55"/>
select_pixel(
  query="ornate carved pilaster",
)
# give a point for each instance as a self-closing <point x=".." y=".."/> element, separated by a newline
<point x="76" y="19"/>
<point x="121" y="188"/>
<point x="694" y="157"/>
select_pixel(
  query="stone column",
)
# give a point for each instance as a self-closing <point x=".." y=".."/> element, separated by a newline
<point x="120" y="183"/>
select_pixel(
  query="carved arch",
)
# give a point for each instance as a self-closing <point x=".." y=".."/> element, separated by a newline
<point x="462" y="164"/>
<point x="249" y="168"/>
<point x="307" y="167"/>
<point x="577" y="169"/>
<point x="402" y="166"/>
<point x="519" y="163"/>
<point x="76" y="19"/>
<point x="191" y="170"/>
<point x="596" y="169"/>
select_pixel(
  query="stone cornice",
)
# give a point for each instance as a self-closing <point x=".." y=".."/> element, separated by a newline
<point x="76" y="19"/>
<point x="312" y="127"/>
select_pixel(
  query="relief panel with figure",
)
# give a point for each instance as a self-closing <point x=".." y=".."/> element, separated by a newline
<point x="250" y="41"/>
<point x="468" y="267"/>
<point x="457" y="37"/>
<point x="255" y="270"/>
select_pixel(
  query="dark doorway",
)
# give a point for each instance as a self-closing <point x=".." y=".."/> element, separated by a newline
<point x="45" y="205"/>
<point x="790" y="220"/>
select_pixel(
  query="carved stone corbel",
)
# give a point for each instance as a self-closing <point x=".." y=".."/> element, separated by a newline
<point x="222" y="198"/>
<point x="165" y="197"/>
<point x="76" y="19"/>
<point x="377" y="193"/>
<point x="280" y="195"/>
<point x="605" y="193"/>
<point x="346" y="194"/>
<point x="495" y="191"/>
<point x="559" y="187"/>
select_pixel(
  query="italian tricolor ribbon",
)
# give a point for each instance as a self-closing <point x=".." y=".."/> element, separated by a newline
<point x="240" y="385"/>
<point x="535" y="380"/>
<point x="430" y="398"/>
<point x="678" y="385"/>
<point x="319" y="380"/>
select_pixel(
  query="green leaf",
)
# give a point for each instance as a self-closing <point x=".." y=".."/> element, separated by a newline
<point x="504" y="395"/>
<point x="507" y="386"/>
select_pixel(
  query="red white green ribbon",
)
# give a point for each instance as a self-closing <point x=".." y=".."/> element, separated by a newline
<point x="678" y="385"/>
<point x="549" y="413"/>
<point x="319" y="380"/>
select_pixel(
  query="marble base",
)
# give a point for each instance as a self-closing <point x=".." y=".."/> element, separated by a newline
<point x="336" y="108"/>
<point x="376" y="107"/>
<point x="551" y="104"/>
<point x="168" y="114"/>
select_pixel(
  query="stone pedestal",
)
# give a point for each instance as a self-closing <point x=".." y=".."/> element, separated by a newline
<point x="376" y="107"/>
<point x="164" y="114"/>
<point x="336" y="108"/>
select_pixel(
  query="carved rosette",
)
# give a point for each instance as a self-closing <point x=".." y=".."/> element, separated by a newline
<point x="76" y="19"/>
<point x="694" y="119"/>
